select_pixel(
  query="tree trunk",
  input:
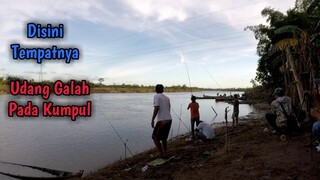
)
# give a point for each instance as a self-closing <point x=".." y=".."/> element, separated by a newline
<point x="286" y="84"/>
<point x="295" y="75"/>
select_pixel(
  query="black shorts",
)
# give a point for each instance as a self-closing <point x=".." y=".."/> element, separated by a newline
<point x="235" y="114"/>
<point x="162" y="129"/>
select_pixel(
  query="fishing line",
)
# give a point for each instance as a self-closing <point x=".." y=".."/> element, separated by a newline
<point x="211" y="76"/>
<point x="180" y="119"/>
<point x="125" y="143"/>
<point x="185" y="62"/>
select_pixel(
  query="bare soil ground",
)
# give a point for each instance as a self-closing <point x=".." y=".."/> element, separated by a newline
<point x="252" y="153"/>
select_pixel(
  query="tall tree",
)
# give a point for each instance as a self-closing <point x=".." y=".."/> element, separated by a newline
<point x="288" y="48"/>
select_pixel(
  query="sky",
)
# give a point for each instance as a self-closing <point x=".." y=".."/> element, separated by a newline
<point x="144" y="42"/>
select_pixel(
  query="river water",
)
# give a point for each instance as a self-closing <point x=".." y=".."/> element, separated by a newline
<point x="90" y="143"/>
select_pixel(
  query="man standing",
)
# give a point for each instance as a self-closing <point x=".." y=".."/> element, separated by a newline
<point x="235" y="114"/>
<point x="195" y="116"/>
<point x="161" y="110"/>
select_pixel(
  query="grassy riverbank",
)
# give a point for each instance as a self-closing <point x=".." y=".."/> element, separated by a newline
<point x="102" y="88"/>
<point x="4" y="89"/>
<point x="126" y="88"/>
<point x="150" y="89"/>
<point x="252" y="153"/>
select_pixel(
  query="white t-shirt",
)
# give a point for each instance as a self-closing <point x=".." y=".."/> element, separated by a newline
<point x="206" y="130"/>
<point x="163" y="102"/>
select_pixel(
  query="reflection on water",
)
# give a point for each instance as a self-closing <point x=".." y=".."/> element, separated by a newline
<point x="90" y="143"/>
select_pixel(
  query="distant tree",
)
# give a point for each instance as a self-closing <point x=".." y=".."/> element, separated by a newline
<point x="101" y="80"/>
<point x="253" y="82"/>
<point x="10" y="78"/>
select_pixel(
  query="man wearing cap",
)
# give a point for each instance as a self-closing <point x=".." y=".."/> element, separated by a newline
<point x="161" y="104"/>
<point x="279" y="107"/>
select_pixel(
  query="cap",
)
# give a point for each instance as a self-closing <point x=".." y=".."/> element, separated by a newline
<point x="278" y="91"/>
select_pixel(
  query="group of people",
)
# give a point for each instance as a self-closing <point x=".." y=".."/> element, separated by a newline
<point x="204" y="131"/>
<point x="281" y="118"/>
<point x="161" y="129"/>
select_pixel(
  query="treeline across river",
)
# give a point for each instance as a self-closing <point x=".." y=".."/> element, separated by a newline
<point x="114" y="88"/>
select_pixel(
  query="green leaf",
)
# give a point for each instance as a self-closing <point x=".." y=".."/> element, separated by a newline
<point x="313" y="6"/>
<point x="289" y="28"/>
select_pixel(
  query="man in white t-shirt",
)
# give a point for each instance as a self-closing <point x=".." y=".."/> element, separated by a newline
<point x="161" y="110"/>
<point x="204" y="131"/>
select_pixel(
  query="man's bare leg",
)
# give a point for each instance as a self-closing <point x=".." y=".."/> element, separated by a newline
<point x="158" y="145"/>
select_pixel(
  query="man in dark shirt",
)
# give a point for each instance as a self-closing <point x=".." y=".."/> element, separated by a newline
<point x="235" y="114"/>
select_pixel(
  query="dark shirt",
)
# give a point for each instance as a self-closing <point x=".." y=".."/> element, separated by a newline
<point x="236" y="105"/>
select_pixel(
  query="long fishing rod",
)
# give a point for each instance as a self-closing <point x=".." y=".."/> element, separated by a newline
<point x="180" y="119"/>
<point x="124" y="143"/>
<point x="211" y="76"/>
<point x="47" y="170"/>
<point x="185" y="62"/>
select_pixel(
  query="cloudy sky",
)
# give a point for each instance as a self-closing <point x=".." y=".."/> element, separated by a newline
<point x="140" y="41"/>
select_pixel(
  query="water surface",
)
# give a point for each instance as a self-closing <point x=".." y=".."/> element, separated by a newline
<point x="90" y="143"/>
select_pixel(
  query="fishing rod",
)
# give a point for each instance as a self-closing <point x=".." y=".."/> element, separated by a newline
<point x="180" y="120"/>
<point x="47" y="170"/>
<point x="124" y="143"/>
<point x="226" y="110"/>
<point x="211" y="76"/>
<point x="185" y="62"/>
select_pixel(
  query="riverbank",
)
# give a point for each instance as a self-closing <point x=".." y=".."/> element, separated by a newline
<point x="253" y="153"/>
<point x="123" y="88"/>
<point x="4" y="89"/>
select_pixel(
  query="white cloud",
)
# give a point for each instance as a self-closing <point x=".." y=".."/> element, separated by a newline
<point x="168" y="12"/>
<point x="190" y="25"/>
<point x="162" y="10"/>
<point x="129" y="69"/>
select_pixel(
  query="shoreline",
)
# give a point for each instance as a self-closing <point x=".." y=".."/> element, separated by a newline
<point x="131" y="167"/>
<point x="252" y="152"/>
<point x="96" y="88"/>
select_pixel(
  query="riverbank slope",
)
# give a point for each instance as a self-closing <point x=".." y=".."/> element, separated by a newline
<point x="252" y="153"/>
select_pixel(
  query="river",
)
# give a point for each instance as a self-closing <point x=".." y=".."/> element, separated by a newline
<point x="90" y="143"/>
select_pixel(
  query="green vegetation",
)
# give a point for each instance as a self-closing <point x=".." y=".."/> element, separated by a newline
<point x="3" y="87"/>
<point x="127" y="88"/>
<point x="289" y="48"/>
<point x="101" y="88"/>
